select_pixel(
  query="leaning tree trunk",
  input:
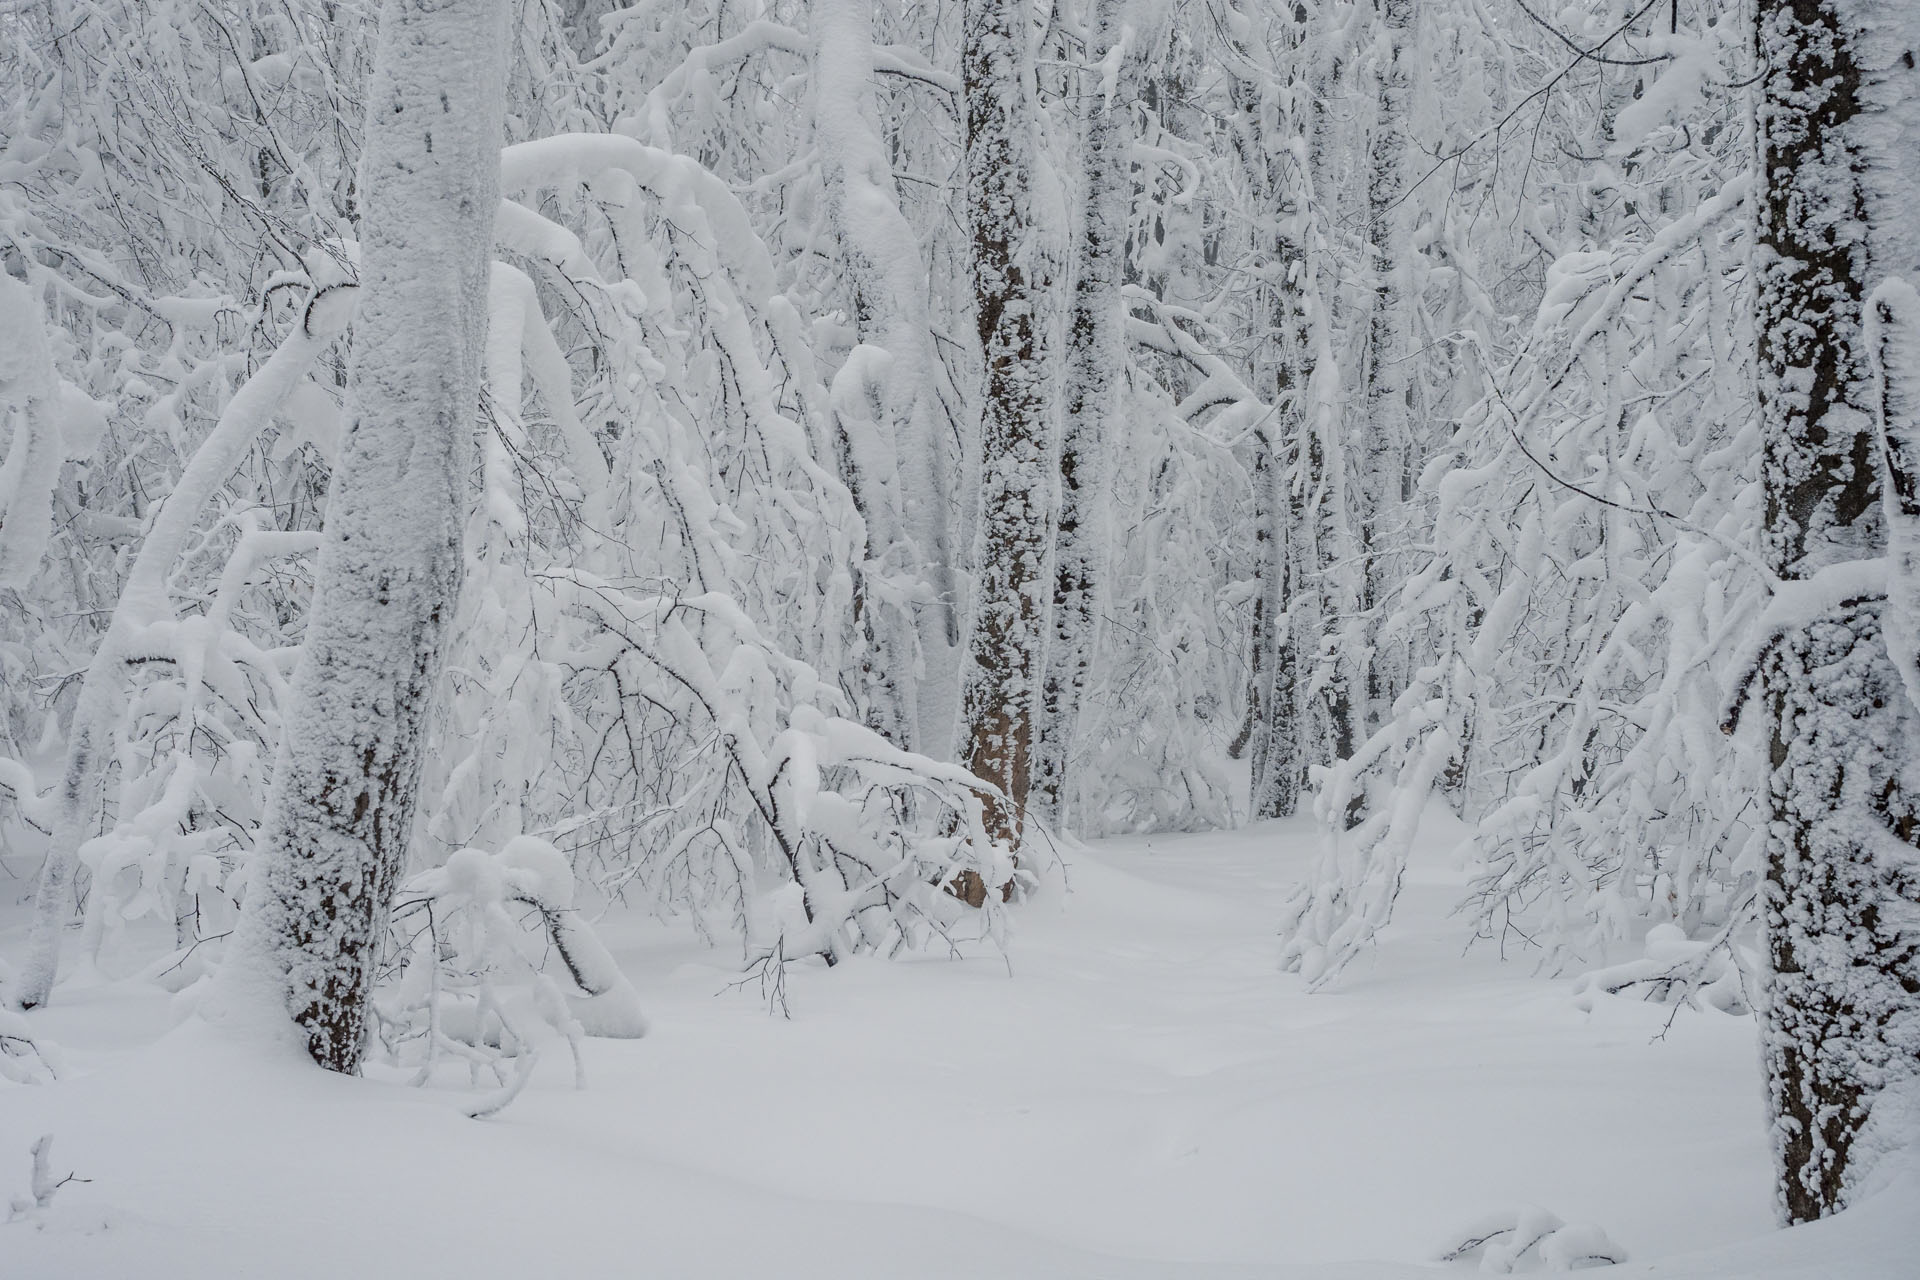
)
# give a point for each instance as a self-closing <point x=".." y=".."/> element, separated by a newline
<point x="1839" y="122"/>
<point x="999" y="673"/>
<point x="335" y="838"/>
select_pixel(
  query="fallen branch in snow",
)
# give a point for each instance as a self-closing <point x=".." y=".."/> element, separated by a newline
<point x="494" y="1103"/>
<point x="1678" y="971"/>
<point x="25" y="1059"/>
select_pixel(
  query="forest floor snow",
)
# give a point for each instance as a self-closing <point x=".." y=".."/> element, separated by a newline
<point x="1133" y="1092"/>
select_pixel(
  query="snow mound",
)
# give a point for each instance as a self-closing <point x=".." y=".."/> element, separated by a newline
<point x="1532" y="1239"/>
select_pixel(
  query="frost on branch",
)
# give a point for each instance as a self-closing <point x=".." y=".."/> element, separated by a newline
<point x="41" y="1186"/>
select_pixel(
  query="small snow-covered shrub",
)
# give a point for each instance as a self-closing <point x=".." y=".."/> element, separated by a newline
<point x="1532" y="1239"/>
<point x="467" y="926"/>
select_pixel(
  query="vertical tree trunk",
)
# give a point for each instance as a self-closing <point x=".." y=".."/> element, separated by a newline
<point x="335" y="838"/>
<point x="1839" y="120"/>
<point x="1285" y="601"/>
<point x="1327" y="565"/>
<point x="899" y="479"/>
<point x="1273" y="696"/>
<point x="1382" y="451"/>
<point x="998" y="676"/>
<point x="1095" y="360"/>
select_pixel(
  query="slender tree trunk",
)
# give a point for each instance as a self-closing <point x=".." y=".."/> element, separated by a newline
<point x="893" y="457"/>
<point x="1285" y="600"/>
<point x="1095" y="361"/>
<point x="1839" y="125"/>
<point x="1273" y="695"/>
<point x="1383" y="449"/>
<point x="1327" y="564"/>
<point x="1001" y="668"/>
<point x="335" y="838"/>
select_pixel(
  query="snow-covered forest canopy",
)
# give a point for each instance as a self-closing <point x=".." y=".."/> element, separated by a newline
<point x="998" y="536"/>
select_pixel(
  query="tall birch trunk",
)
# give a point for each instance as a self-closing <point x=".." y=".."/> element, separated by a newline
<point x="1285" y="600"/>
<point x="338" y="818"/>
<point x="1382" y="453"/>
<point x="1095" y="360"/>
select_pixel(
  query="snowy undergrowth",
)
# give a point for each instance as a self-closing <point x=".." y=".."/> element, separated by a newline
<point x="1134" y="1091"/>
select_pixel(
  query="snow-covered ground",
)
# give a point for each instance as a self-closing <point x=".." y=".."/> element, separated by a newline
<point x="1134" y="1091"/>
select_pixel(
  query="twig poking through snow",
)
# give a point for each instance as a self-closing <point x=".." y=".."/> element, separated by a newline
<point x="43" y="1185"/>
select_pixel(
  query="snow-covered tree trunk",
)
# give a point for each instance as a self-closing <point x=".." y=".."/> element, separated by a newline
<point x="1005" y="648"/>
<point x="1380" y="453"/>
<point x="1329" y="574"/>
<point x="887" y="406"/>
<point x="1094" y="365"/>
<point x="341" y="810"/>
<point x="1839" y="122"/>
<point x="1272" y="139"/>
<point x="1271" y="736"/>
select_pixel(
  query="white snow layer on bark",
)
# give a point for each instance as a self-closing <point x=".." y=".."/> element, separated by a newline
<point x="1893" y="344"/>
<point x="340" y="812"/>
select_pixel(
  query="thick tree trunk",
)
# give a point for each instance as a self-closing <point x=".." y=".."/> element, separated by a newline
<point x="1842" y="906"/>
<point x="999" y="674"/>
<point x="335" y="839"/>
<point x="1839" y="123"/>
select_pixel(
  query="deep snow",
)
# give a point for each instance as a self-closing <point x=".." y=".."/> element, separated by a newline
<point x="1134" y="1091"/>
